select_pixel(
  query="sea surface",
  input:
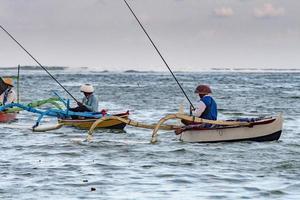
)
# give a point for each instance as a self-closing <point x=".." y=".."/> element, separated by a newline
<point x="124" y="165"/>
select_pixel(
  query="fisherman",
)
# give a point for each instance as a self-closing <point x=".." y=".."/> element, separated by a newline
<point x="8" y="95"/>
<point x="89" y="102"/>
<point x="206" y="108"/>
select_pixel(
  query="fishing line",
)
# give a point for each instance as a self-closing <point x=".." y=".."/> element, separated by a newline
<point x="159" y="54"/>
<point x="38" y="63"/>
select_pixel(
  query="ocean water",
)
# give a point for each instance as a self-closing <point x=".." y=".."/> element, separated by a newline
<point x="124" y="165"/>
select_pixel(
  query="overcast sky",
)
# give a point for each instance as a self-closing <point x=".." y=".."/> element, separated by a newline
<point x="191" y="34"/>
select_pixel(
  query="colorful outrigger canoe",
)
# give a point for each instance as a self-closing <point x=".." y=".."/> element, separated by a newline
<point x="84" y="120"/>
<point x="8" y="117"/>
<point x="87" y="123"/>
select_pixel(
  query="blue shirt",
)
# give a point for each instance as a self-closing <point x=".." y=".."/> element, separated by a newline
<point x="91" y="103"/>
<point x="210" y="111"/>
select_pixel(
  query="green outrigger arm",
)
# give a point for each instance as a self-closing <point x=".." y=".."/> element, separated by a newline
<point x="54" y="101"/>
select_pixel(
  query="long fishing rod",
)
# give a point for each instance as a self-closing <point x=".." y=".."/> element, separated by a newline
<point x="159" y="54"/>
<point x="39" y="63"/>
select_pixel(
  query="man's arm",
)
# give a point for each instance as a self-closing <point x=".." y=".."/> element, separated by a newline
<point x="12" y="97"/>
<point x="199" y="109"/>
<point x="94" y="105"/>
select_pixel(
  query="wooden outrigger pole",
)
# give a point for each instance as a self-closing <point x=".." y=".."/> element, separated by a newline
<point x="128" y="122"/>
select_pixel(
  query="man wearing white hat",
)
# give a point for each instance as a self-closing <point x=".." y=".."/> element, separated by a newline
<point x="89" y="101"/>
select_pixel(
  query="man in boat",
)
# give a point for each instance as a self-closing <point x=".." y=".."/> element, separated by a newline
<point x="89" y="102"/>
<point x="206" y="108"/>
<point x="8" y="94"/>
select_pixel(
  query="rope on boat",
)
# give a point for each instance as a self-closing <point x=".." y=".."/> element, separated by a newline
<point x="193" y="119"/>
<point x="35" y="104"/>
<point x="128" y="122"/>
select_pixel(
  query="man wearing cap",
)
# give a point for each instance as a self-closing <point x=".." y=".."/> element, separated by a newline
<point x="89" y="102"/>
<point x="206" y="106"/>
<point x="9" y="95"/>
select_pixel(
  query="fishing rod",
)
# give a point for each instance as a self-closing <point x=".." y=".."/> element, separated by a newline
<point x="159" y="54"/>
<point x="39" y="63"/>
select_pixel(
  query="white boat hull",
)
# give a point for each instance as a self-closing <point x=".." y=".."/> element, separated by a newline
<point x="267" y="130"/>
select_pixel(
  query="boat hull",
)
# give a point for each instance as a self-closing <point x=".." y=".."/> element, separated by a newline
<point x="260" y="131"/>
<point x="87" y="123"/>
<point x="7" y="117"/>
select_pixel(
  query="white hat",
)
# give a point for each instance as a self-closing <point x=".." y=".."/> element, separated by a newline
<point x="88" y="88"/>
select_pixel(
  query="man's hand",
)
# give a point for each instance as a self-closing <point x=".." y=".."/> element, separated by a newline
<point x="80" y="104"/>
<point x="192" y="108"/>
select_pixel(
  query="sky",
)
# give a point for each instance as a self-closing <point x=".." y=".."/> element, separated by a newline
<point x="191" y="34"/>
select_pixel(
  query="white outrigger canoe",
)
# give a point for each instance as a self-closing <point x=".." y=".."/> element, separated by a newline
<point x="266" y="129"/>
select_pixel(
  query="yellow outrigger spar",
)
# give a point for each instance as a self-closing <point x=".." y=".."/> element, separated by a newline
<point x="160" y="126"/>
